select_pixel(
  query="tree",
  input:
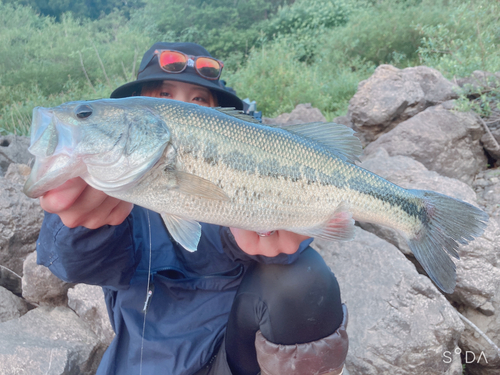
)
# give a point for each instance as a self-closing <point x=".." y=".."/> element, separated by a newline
<point x="92" y="9"/>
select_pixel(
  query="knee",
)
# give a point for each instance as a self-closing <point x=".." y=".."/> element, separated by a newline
<point x="308" y="280"/>
<point x="304" y="295"/>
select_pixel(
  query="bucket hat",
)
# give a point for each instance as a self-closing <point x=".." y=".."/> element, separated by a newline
<point x="152" y="72"/>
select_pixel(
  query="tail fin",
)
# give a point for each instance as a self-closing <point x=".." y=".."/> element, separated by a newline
<point x="448" y="224"/>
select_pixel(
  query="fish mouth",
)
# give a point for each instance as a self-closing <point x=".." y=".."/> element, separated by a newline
<point x="48" y="174"/>
<point x="52" y="145"/>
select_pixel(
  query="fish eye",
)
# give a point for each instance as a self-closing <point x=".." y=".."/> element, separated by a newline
<point x="83" y="111"/>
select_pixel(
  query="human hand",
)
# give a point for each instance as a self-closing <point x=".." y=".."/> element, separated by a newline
<point x="279" y="242"/>
<point x="79" y="204"/>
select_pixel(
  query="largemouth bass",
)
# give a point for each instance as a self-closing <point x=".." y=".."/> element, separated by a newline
<point x="195" y="164"/>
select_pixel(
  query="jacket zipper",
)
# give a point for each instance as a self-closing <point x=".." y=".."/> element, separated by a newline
<point x="149" y="295"/>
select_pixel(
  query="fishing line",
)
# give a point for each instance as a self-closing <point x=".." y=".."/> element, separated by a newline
<point x="148" y="296"/>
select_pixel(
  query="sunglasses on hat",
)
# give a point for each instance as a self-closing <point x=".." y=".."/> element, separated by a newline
<point x="172" y="61"/>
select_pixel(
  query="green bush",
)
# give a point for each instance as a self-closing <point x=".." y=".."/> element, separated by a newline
<point x="47" y="53"/>
<point x="46" y="61"/>
<point x="278" y="81"/>
<point x="15" y="116"/>
<point x="226" y="28"/>
<point x="468" y="40"/>
<point x="279" y="53"/>
<point x="309" y="15"/>
<point x="386" y="32"/>
<point x="92" y="9"/>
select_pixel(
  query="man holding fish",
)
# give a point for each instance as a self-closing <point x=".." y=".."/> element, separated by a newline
<point x="245" y="302"/>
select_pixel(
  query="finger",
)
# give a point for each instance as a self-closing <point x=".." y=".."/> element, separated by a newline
<point x="277" y="243"/>
<point x="77" y="214"/>
<point x="111" y="211"/>
<point x="289" y="242"/>
<point x="120" y="213"/>
<point x="62" y="197"/>
<point x="247" y="241"/>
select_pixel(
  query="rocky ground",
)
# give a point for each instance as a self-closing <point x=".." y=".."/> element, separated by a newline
<point x="400" y="323"/>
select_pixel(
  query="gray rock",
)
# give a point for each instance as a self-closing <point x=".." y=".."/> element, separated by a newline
<point x="17" y="174"/>
<point x="477" y="271"/>
<point x="402" y="171"/>
<point x="13" y="150"/>
<point x="20" y="222"/>
<point x="11" y="306"/>
<point x="443" y="141"/>
<point x="478" y="298"/>
<point x="41" y="287"/>
<point x="487" y="187"/>
<point x="301" y="114"/>
<point x="391" y="96"/>
<point x="398" y="322"/>
<point x="49" y="341"/>
<point x="481" y="357"/>
<point x="344" y="120"/>
<point x="491" y="143"/>
<point x="477" y="294"/>
<point x="88" y="303"/>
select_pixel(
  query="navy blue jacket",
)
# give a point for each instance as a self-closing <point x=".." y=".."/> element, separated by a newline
<point x="192" y="292"/>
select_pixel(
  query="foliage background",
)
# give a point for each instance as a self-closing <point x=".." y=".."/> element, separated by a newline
<point x="277" y="52"/>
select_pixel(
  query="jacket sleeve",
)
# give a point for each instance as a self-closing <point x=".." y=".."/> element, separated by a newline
<point x="234" y="252"/>
<point x="103" y="256"/>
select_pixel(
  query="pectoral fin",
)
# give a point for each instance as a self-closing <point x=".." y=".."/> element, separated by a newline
<point x="191" y="184"/>
<point x="186" y="232"/>
<point x="339" y="227"/>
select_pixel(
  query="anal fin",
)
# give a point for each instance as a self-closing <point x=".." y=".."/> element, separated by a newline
<point x="339" y="227"/>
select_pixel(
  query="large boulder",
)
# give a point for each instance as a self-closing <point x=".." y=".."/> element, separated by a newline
<point x="478" y="271"/>
<point x="477" y="294"/>
<point x="391" y="96"/>
<point x="87" y="301"/>
<point x="398" y="322"/>
<point x="480" y="338"/>
<point x="301" y="114"/>
<point x="443" y="140"/>
<point x="47" y="341"/>
<point x="42" y="287"/>
<point x="487" y="187"/>
<point x="13" y="150"/>
<point x="20" y="221"/>
<point x="11" y="306"/>
<point x="491" y="143"/>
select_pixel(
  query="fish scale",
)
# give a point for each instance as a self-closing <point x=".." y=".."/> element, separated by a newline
<point x="194" y="164"/>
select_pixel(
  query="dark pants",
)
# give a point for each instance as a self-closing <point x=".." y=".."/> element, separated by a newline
<point x="289" y="304"/>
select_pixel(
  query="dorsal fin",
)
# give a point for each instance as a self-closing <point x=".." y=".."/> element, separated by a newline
<point x="339" y="138"/>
